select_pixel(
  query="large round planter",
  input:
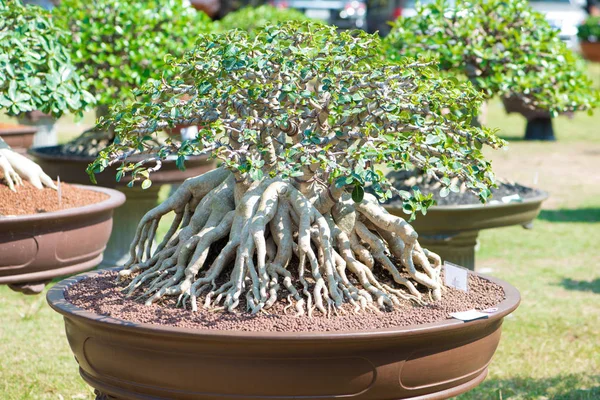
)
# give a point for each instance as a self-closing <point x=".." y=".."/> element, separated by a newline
<point x="126" y="360"/>
<point x="451" y="231"/>
<point x="18" y="137"/>
<point x="72" y="169"/>
<point x="590" y="50"/>
<point x="36" y="248"/>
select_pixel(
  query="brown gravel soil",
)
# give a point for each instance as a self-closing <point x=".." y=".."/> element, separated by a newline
<point x="30" y="200"/>
<point x="101" y="294"/>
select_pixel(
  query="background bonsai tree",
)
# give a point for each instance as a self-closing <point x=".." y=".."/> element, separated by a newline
<point x="504" y="48"/>
<point x="119" y="45"/>
<point x="37" y="74"/>
<point x="251" y="18"/>
<point x="302" y="118"/>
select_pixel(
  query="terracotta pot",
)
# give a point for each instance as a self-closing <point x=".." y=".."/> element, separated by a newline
<point x="590" y="51"/>
<point x="451" y="231"/>
<point x="71" y="168"/>
<point x="126" y="360"/>
<point x="18" y="137"/>
<point x="36" y="248"/>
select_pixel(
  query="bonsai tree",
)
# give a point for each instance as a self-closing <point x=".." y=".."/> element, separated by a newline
<point x="302" y="118"/>
<point x="37" y="74"/>
<point x="120" y="45"/>
<point x="504" y="48"/>
<point x="251" y="18"/>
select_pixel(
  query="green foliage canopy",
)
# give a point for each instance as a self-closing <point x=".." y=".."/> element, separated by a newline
<point x="503" y="46"/>
<point x="300" y="100"/>
<point x="250" y="18"/>
<point x="118" y="45"/>
<point x="36" y="72"/>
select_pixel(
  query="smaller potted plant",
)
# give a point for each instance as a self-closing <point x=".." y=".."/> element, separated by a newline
<point x="505" y="49"/>
<point x="46" y="229"/>
<point x="589" y="36"/>
<point x="38" y="81"/>
<point x="118" y="46"/>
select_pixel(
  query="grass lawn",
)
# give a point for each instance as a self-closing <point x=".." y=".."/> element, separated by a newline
<point x="551" y="344"/>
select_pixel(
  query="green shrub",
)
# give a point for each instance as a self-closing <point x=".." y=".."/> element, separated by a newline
<point x="36" y="72"/>
<point x="503" y="46"/>
<point x="251" y="18"/>
<point x="119" y="45"/>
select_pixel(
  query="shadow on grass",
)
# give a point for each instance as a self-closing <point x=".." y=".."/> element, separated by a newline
<point x="582" y="286"/>
<point x="590" y="214"/>
<point x="563" y="387"/>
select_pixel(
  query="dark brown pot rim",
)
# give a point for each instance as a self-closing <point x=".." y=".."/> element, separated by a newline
<point x="17" y="129"/>
<point x="57" y="301"/>
<point x="462" y="207"/>
<point x="114" y="200"/>
<point x="38" y="152"/>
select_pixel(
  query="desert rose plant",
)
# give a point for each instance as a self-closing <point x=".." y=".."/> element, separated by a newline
<point x="119" y="45"/>
<point x="302" y="118"/>
<point x="504" y="48"/>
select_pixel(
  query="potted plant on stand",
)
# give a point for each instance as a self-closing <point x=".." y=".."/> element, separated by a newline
<point x="290" y="270"/>
<point x="588" y="34"/>
<point x="118" y="46"/>
<point x="46" y="230"/>
<point x="505" y="49"/>
<point x="38" y="82"/>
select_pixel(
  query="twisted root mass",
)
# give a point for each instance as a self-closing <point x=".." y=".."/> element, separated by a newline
<point x="278" y="240"/>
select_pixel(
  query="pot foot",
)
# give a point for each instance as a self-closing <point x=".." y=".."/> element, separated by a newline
<point x="31" y="288"/>
<point x="540" y="129"/>
<point x="103" y="396"/>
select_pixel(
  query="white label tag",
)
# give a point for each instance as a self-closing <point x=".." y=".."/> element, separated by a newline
<point x="189" y="133"/>
<point x="468" y="315"/>
<point x="456" y="277"/>
<point x="513" y="198"/>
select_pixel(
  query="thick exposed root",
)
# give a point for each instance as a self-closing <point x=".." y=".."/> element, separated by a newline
<point x="278" y="247"/>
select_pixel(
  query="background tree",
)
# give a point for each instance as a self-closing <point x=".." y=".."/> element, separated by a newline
<point x="36" y="74"/>
<point x="119" y="45"/>
<point x="504" y="48"/>
<point x="251" y="18"/>
<point x="301" y="118"/>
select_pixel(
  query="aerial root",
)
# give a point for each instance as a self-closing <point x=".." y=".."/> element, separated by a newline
<point x="272" y="225"/>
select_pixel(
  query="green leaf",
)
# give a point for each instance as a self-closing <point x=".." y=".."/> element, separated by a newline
<point x="146" y="183"/>
<point x="358" y="193"/>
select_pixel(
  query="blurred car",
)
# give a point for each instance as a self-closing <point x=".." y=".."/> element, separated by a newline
<point x="346" y="14"/>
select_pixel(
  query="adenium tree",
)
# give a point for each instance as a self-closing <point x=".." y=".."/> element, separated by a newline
<point x="301" y="118"/>
<point x="119" y="45"/>
<point x="37" y="72"/>
<point x="504" y="48"/>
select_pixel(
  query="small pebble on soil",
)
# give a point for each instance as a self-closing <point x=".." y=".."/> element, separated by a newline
<point x="102" y="295"/>
<point x="31" y="200"/>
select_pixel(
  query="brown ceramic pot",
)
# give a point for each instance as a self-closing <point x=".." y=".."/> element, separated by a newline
<point x="36" y="248"/>
<point x="451" y="231"/>
<point x="590" y="51"/>
<point x="18" y="137"/>
<point x="127" y="360"/>
<point x="71" y="168"/>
